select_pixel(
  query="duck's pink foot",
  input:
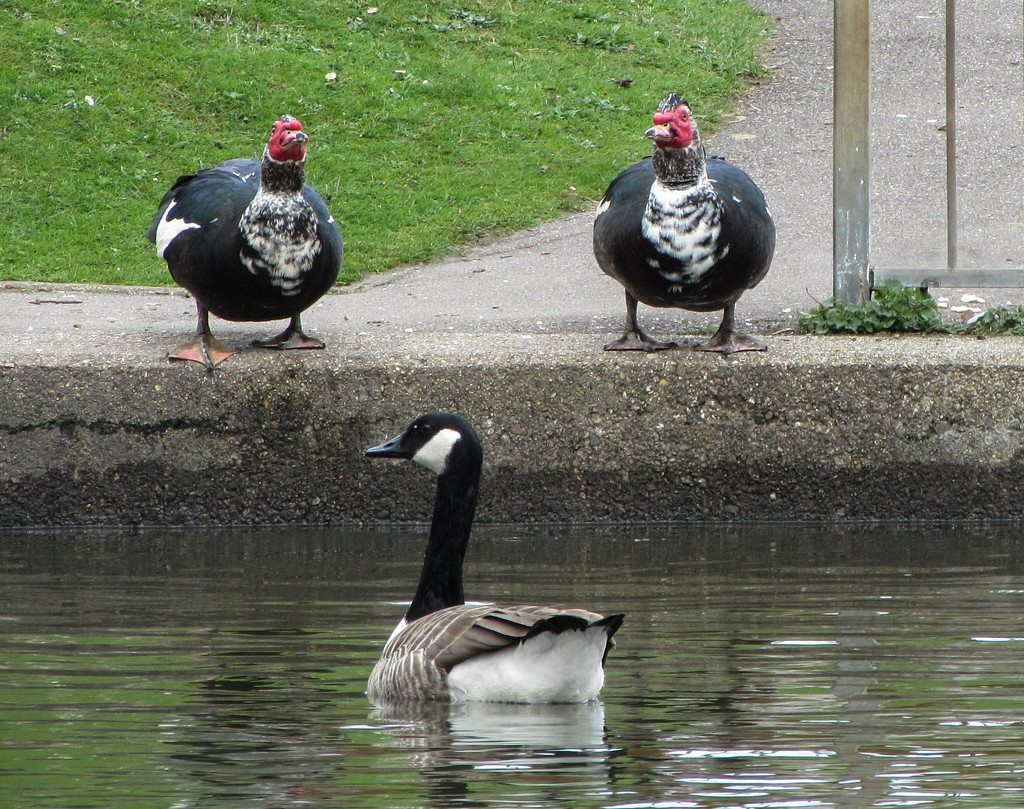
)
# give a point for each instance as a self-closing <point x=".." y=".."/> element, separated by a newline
<point x="291" y="338"/>
<point x="205" y="349"/>
<point x="727" y="340"/>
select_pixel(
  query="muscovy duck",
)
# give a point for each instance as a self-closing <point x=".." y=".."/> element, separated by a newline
<point x="251" y="242"/>
<point x="445" y="649"/>
<point x="683" y="230"/>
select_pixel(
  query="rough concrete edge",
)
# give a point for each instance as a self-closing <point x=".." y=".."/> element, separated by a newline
<point x="822" y="430"/>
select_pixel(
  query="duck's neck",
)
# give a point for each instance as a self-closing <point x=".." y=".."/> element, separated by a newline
<point x="680" y="167"/>
<point x="282" y="176"/>
<point x="441" y="579"/>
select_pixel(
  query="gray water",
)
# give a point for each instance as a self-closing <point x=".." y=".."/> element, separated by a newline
<point x="797" y="667"/>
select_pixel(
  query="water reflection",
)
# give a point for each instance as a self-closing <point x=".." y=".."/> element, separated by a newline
<point x="467" y="726"/>
<point x="757" y="668"/>
<point x="451" y="745"/>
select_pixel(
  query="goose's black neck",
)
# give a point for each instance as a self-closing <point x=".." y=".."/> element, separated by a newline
<point x="441" y="579"/>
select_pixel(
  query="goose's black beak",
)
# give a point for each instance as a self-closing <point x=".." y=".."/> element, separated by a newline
<point x="389" y="449"/>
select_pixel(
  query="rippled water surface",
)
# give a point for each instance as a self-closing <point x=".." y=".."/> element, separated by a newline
<point x="797" y="667"/>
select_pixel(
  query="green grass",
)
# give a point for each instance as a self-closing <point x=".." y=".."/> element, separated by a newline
<point x="447" y="121"/>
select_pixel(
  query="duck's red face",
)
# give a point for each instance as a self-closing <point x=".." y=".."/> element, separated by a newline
<point x="288" y="141"/>
<point x="673" y="128"/>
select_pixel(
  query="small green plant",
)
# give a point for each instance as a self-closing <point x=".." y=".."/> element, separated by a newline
<point x="999" y="320"/>
<point x="893" y="308"/>
<point x="469" y="19"/>
<point x="612" y="43"/>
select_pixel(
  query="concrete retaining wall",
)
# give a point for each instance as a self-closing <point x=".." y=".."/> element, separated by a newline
<point x="817" y="429"/>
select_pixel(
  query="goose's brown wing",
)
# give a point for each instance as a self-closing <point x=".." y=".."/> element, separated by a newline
<point x="415" y="662"/>
<point x="455" y="634"/>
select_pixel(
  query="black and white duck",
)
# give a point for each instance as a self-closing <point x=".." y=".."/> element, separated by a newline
<point x="680" y="229"/>
<point x="251" y="241"/>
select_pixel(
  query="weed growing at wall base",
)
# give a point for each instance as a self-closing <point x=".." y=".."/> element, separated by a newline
<point x="892" y="308"/>
<point x="895" y="308"/>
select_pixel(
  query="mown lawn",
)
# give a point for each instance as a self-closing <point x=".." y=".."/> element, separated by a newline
<point x="432" y="123"/>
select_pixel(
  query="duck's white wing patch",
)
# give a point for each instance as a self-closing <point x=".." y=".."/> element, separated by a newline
<point x="170" y="228"/>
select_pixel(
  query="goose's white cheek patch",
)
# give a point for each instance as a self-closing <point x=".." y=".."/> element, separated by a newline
<point x="434" y="454"/>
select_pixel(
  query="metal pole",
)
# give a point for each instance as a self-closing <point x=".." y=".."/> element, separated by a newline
<point x="951" y="218"/>
<point x="851" y="161"/>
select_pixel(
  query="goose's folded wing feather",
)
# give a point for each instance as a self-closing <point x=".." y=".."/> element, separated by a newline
<point x="453" y="635"/>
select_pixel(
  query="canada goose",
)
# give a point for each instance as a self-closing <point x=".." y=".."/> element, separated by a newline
<point x="446" y="649"/>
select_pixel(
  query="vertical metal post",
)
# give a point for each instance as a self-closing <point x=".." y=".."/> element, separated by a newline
<point x="851" y="160"/>
<point x="951" y="219"/>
